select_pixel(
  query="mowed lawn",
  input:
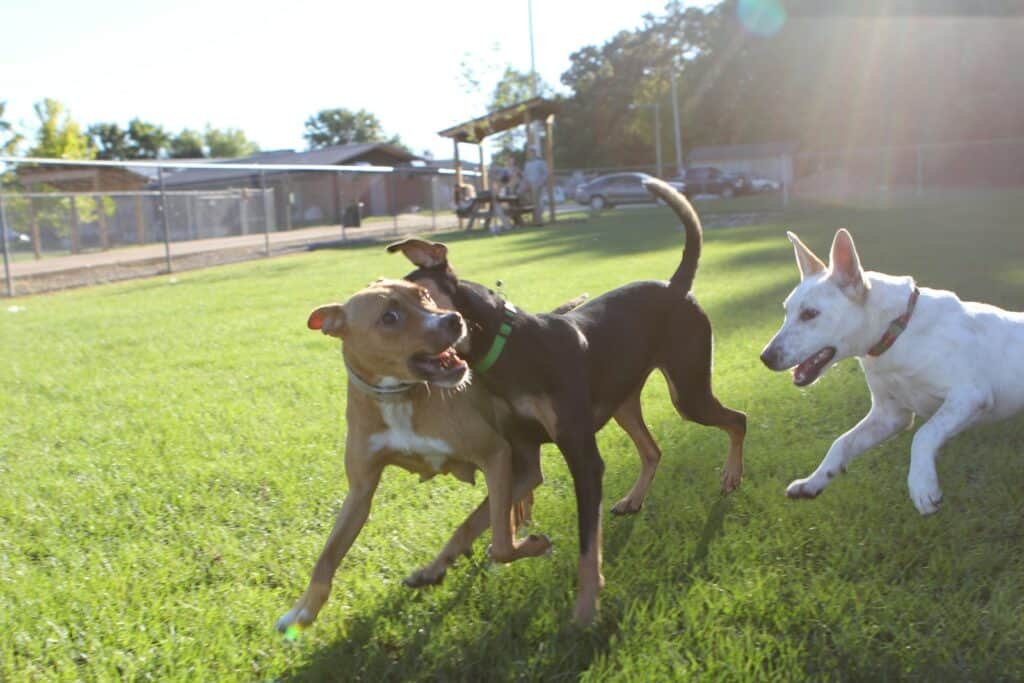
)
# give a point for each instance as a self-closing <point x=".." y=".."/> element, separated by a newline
<point x="171" y="463"/>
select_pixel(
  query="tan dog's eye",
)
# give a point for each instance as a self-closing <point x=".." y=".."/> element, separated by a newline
<point x="389" y="318"/>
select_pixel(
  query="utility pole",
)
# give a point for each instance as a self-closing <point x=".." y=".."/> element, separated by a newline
<point x="533" y="63"/>
<point x="657" y="137"/>
<point x="675" y="121"/>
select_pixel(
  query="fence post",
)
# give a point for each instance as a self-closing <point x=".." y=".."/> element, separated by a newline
<point x="3" y="239"/>
<point x="140" y="222"/>
<point x="391" y="200"/>
<point x="341" y="200"/>
<point x="37" y="240"/>
<point x="101" y="216"/>
<point x="164" y="223"/>
<point x="76" y="243"/>
<point x="243" y="210"/>
<point x="433" y="202"/>
<point x="266" y="212"/>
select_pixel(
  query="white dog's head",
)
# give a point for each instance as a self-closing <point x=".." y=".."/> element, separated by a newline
<point x="825" y="314"/>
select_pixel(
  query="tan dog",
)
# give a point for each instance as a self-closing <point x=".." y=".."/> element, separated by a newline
<point x="398" y="350"/>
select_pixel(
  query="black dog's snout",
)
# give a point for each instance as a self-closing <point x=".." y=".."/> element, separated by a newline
<point x="452" y="321"/>
<point x="770" y="357"/>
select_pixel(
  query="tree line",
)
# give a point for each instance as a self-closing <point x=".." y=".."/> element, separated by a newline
<point x="59" y="135"/>
<point x="826" y="76"/>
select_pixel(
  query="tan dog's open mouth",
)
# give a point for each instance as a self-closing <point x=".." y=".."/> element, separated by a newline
<point x="812" y="367"/>
<point x="444" y="369"/>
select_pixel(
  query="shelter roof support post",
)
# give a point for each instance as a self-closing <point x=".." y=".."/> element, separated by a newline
<point x="483" y="168"/>
<point x="458" y="178"/>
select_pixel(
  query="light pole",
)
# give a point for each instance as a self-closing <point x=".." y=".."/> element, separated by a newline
<point x="675" y="121"/>
<point x="533" y="64"/>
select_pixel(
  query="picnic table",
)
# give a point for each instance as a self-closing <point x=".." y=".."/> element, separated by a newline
<point x="485" y="206"/>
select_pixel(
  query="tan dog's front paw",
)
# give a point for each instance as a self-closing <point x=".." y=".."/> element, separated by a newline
<point x="305" y="610"/>
<point x="426" y="576"/>
<point x="732" y="475"/>
<point x="627" y="506"/>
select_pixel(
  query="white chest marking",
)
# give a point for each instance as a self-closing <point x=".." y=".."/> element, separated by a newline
<point x="400" y="436"/>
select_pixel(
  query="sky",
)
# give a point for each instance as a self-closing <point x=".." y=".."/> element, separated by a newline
<point x="267" y="67"/>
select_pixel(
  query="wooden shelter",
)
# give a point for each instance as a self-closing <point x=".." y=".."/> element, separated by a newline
<point x="523" y="113"/>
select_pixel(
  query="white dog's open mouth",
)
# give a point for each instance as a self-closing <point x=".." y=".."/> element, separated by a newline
<point x="811" y="368"/>
<point x="445" y="368"/>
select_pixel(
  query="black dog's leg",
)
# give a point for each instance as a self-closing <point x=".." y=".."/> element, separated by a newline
<point x="689" y="384"/>
<point x="575" y="438"/>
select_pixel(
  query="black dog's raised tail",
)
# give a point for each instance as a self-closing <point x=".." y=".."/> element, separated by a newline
<point x="683" y="277"/>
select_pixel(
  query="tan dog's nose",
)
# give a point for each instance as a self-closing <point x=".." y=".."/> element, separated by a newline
<point x="452" y="321"/>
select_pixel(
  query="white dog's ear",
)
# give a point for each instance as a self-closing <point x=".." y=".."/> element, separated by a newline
<point x="809" y="263"/>
<point x="844" y="266"/>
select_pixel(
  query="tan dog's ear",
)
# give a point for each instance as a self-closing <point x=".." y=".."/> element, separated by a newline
<point x="808" y="263"/>
<point x="844" y="266"/>
<point x="422" y="253"/>
<point x="329" y="319"/>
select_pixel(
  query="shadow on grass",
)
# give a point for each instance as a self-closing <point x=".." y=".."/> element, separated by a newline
<point x="369" y="652"/>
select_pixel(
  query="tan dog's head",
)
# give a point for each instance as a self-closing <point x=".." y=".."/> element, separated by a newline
<point x="394" y="330"/>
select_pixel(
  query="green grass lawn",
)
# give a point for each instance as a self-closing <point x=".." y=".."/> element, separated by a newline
<point x="171" y="463"/>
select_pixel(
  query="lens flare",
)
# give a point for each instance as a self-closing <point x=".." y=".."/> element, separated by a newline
<point x="761" y="17"/>
<point x="292" y="632"/>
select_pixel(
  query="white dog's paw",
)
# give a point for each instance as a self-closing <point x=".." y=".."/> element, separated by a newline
<point x="804" y="488"/>
<point x="925" y="492"/>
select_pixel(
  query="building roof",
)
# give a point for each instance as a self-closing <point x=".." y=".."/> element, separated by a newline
<point x="739" y="152"/>
<point x="475" y="130"/>
<point x="335" y="155"/>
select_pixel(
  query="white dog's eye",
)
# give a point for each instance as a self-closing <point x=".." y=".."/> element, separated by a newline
<point x="808" y="314"/>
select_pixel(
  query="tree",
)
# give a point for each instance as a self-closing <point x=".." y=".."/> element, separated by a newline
<point x="513" y="87"/>
<point x="188" y="144"/>
<point x="9" y="140"/>
<point x="59" y="137"/>
<point x="343" y="127"/>
<point x="228" y="143"/>
<point x="147" y="140"/>
<point x="110" y="140"/>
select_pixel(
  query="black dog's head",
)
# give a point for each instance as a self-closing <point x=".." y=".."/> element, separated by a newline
<point x="480" y="306"/>
<point x="432" y="269"/>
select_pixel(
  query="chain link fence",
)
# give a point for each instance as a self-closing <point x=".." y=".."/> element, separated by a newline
<point x="68" y="223"/>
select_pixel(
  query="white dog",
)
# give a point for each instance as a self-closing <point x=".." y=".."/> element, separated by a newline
<point x="923" y="351"/>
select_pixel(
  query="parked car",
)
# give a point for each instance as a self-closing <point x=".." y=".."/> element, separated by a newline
<point x="710" y="180"/>
<point x="761" y="184"/>
<point x="617" y="188"/>
<point x="16" y="239"/>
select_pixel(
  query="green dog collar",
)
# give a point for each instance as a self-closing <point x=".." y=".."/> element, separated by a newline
<point x="498" y="345"/>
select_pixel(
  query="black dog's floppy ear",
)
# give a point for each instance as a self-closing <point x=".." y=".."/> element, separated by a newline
<point x="422" y="253"/>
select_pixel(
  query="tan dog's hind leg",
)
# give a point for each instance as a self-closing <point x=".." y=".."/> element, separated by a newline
<point x="503" y="492"/>
<point x="363" y="478"/>
<point x="462" y="540"/>
<point x="459" y="544"/>
<point x="630" y="417"/>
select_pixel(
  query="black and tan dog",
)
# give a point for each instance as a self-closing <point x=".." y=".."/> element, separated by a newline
<point x="566" y="375"/>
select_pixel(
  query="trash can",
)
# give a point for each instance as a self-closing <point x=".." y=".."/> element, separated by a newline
<point x="353" y="216"/>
